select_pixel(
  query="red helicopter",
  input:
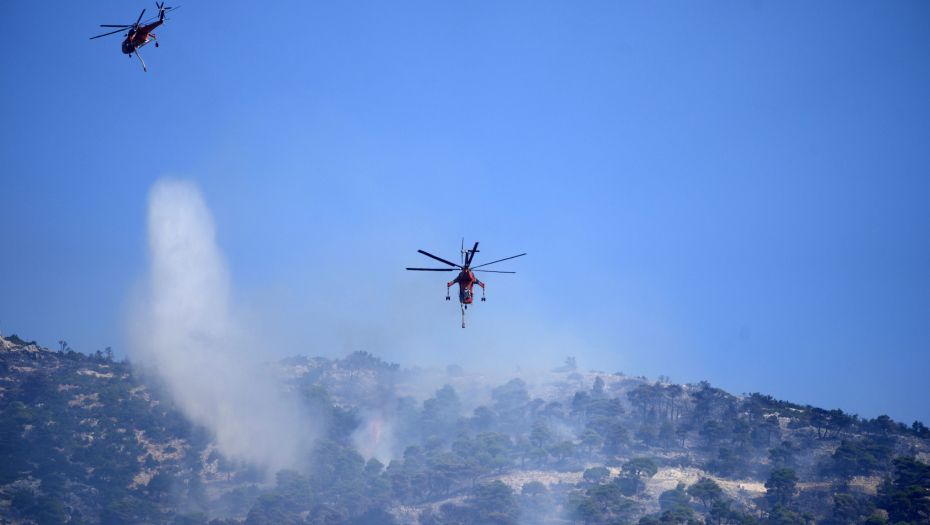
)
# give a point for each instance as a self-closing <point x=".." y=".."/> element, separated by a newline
<point x="139" y="34"/>
<point x="466" y="278"/>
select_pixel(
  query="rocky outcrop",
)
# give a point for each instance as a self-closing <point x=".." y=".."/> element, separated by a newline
<point x="8" y="346"/>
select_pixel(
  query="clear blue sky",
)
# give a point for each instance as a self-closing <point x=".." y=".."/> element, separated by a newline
<point x="729" y="191"/>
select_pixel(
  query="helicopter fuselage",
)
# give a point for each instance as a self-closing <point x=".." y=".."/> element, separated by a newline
<point x="140" y="38"/>
<point x="466" y="281"/>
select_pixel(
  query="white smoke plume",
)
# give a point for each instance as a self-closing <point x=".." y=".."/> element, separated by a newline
<point x="188" y="331"/>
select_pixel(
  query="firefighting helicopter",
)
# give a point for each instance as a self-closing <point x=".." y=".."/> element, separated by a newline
<point x="466" y="278"/>
<point x="139" y="34"/>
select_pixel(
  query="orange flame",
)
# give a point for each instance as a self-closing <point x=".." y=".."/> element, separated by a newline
<point x="375" y="428"/>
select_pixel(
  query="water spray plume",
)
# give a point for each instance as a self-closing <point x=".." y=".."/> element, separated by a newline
<point x="188" y="332"/>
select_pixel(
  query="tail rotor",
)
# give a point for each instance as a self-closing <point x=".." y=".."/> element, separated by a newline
<point x="162" y="10"/>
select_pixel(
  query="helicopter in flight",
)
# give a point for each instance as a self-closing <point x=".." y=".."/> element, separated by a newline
<point x="466" y="278"/>
<point x="139" y="33"/>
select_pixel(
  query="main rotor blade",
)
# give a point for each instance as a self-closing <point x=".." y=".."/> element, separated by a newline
<point x="438" y="259"/>
<point x="491" y="271"/>
<point x="114" y="26"/>
<point x="140" y="17"/>
<point x="432" y="269"/>
<point x="105" y="34"/>
<point x="514" y="257"/>
<point x="471" y="255"/>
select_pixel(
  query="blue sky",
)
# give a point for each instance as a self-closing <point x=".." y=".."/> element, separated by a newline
<point x="729" y="191"/>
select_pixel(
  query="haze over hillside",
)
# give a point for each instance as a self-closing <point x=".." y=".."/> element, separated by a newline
<point x="87" y="439"/>
<point x="200" y="427"/>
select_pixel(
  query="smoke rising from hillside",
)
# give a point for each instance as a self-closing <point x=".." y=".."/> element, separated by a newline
<point x="188" y="331"/>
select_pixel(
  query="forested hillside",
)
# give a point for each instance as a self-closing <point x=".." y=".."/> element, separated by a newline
<point x="87" y="439"/>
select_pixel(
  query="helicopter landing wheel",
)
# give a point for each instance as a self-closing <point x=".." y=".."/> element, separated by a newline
<point x="156" y="44"/>
<point x="482" y="299"/>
